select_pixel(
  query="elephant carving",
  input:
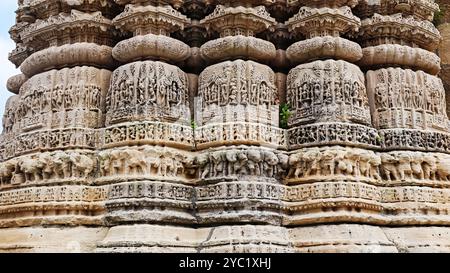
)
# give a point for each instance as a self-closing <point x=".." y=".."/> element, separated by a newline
<point x="83" y="165"/>
<point x="389" y="168"/>
<point x="7" y="170"/>
<point x="136" y="162"/>
<point x="31" y="168"/>
<point x="255" y="159"/>
<point x="443" y="168"/>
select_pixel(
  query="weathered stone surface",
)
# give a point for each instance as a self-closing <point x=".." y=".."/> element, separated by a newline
<point x="226" y="126"/>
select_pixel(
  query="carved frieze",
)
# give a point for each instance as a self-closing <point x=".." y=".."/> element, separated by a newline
<point x="148" y="91"/>
<point x="334" y="133"/>
<point x="70" y="97"/>
<point x="406" y="99"/>
<point x="235" y="133"/>
<point x="240" y="163"/>
<point x="143" y="163"/>
<point x="156" y="133"/>
<point x="75" y="167"/>
<point x="238" y="91"/>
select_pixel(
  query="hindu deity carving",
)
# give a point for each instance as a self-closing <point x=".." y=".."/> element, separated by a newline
<point x="407" y="99"/>
<point x="325" y="91"/>
<point x="151" y="91"/>
<point x="238" y="91"/>
<point x="223" y="125"/>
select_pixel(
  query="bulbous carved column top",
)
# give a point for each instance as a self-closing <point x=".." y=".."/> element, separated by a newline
<point x="142" y="20"/>
<point x="421" y="9"/>
<point x="323" y="28"/>
<point x="237" y="26"/>
<point x="66" y="28"/>
<point x="399" y="29"/>
<point x="240" y="20"/>
<point x="151" y="26"/>
<point x="316" y="22"/>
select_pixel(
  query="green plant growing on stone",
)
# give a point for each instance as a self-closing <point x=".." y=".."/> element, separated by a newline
<point x="285" y="114"/>
<point x="193" y="124"/>
<point x="439" y="17"/>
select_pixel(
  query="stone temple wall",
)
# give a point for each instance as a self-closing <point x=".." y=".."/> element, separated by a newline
<point x="155" y="126"/>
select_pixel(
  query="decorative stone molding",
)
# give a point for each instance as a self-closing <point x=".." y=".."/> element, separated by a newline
<point x="78" y="54"/>
<point x="335" y="133"/>
<point x="73" y="27"/>
<point x="14" y="83"/>
<point x="240" y="20"/>
<point x="148" y="19"/>
<point x="324" y="48"/>
<point x="156" y="47"/>
<point x="325" y="21"/>
<point x="235" y="133"/>
<point x="403" y="56"/>
<point x="421" y="9"/>
<point x="146" y="133"/>
<point x="397" y="29"/>
<point x="238" y="47"/>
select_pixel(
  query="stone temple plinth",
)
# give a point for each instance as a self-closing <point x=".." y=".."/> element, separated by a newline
<point x="225" y="126"/>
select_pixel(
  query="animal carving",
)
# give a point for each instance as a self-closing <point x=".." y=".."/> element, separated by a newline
<point x="135" y="161"/>
<point x="388" y="167"/>
<point x="7" y="170"/>
<point x="443" y="168"/>
<point x="83" y="165"/>
<point x="31" y="168"/>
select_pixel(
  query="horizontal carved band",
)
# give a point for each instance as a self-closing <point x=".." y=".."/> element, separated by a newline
<point x="71" y="55"/>
<point x="238" y="47"/>
<point x="324" y="48"/>
<point x="156" y="47"/>
<point x="240" y="133"/>
<point x="164" y="202"/>
<point x="66" y="205"/>
<point x="404" y="56"/>
<point x="153" y="91"/>
<point x="48" y="140"/>
<point x="416" y="140"/>
<point x="333" y="134"/>
<point x="156" y="133"/>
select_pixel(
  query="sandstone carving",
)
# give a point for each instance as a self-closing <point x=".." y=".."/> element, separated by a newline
<point x="225" y="126"/>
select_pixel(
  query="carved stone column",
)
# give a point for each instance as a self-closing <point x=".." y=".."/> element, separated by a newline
<point x="327" y="96"/>
<point x="148" y="120"/>
<point x="237" y="118"/>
